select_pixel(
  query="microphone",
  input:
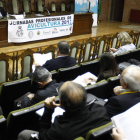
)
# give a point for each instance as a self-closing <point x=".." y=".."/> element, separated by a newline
<point x="46" y="9"/>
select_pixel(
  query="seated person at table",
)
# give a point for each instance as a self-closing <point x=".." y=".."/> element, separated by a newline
<point x="62" y="60"/>
<point x="44" y="80"/>
<point x="78" y="118"/>
<point x="108" y="68"/>
<point x="128" y="93"/>
<point x="126" y="44"/>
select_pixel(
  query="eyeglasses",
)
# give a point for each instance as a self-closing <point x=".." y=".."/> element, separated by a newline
<point x="57" y="89"/>
<point x="120" y="76"/>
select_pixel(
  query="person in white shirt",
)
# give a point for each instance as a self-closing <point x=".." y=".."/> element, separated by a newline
<point x="126" y="44"/>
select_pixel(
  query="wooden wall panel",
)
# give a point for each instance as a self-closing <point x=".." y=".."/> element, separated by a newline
<point x="128" y="5"/>
<point x="135" y="16"/>
<point x="3" y="29"/>
<point x="8" y="7"/>
<point x="82" y="24"/>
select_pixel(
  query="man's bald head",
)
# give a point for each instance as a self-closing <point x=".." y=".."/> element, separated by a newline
<point x="131" y="76"/>
<point x="63" y="47"/>
<point x="72" y="96"/>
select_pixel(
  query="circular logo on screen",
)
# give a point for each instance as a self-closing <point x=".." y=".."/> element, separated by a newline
<point x="38" y="32"/>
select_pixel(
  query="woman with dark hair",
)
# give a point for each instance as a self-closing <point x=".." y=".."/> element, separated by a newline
<point x="108" y="68"/>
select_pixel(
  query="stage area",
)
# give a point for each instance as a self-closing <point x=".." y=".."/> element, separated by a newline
<point x="103" y="28"/>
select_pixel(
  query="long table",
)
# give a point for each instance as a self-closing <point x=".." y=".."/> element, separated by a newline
<point x="82" y="25"/>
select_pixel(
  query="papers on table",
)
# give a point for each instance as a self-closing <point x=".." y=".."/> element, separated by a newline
<point x="80" y="79"/>
<point x="129" y="122"/>
<point x="57" y="111"/>
<point x="39" y="15"/>
<point x="18" y="16"/>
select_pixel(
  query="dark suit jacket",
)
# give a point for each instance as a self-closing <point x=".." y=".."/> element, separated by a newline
<point x="60" y="62"/>
<point x="72" y="125"/>
<point x="49" y="90"/>
<point x="121" y="103"/>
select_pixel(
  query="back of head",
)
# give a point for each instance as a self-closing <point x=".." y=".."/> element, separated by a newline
<point x="72" y="96"/>
<point x="124" y="38"/>
<point x="131" y="76"/>
<point x="63" y="47"/>
<point x="41" y="74"/>
<point x="108" y="63"/>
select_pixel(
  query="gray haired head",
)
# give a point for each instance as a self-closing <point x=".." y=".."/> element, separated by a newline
<point x="131" y="77"/>
<point x="124" y="38"/>
<point x="41" y="75"/>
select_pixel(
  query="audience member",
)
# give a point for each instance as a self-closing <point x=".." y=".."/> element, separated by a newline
<point x="78" y="119"/>
<point x="130" y="62"/>
<point x="134" y="61"/>
<point x="108" y="68"/>
<point x="128" y="93"/>
<point x="126" y="44"/>
<point x="44" y="80"/>
<point x="62" y="60"/>
<point x="117" y="134"/>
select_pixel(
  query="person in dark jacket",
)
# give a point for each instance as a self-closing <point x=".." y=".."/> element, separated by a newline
<point x="48" y="88"/>
<point x="78" y="118"/>
<point x="128" y="94"/>
<point x="62" y="60"/>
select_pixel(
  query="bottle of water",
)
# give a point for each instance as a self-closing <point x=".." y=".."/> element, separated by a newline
<point x="1" y="16"/>
<point x="7" y="15"/>
<point x="24" y="14"/>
